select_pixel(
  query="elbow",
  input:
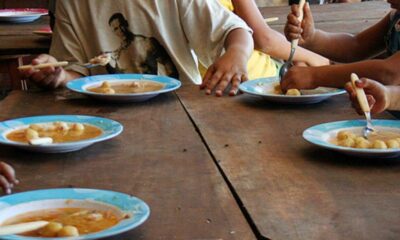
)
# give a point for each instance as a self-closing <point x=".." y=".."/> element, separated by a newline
<point x="263" y="43"/>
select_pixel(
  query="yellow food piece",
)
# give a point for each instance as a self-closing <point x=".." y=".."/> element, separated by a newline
<point x="349" y="142"/>
<point x="68" y="231"/>
<point x="362" y="143"/>
<point x="31" y="134"/>
<point x="105" y="84"/>
<point x="393" y="143"/>
<point x="342" y="135"/>
<point x="379" y="144"/>
<point x="51" y="229"/>
<point x="293" y="92"/>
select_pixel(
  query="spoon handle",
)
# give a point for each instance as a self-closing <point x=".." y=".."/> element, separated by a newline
<point x="361" y="97"/>
<point x="295" y="42"/>
<point x="22" y="227"/>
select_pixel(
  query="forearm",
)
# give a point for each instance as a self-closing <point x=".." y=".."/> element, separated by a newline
<point x="275" y="44"/>
<point x="339" y="75"/>
<point x="394" y="98"/>
<point x="241" y="41"/>
<point x="339" y="47"/>
<point x="70" y="75"/>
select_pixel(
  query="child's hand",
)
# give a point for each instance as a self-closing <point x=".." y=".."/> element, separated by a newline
<point x="7" y="177"/>
<point x="231" y="68"/>
<point x="294" y="29"/>
<point x="50" y="77"/>
<point x="377" y="95"/>
<point x="298" y="78"/>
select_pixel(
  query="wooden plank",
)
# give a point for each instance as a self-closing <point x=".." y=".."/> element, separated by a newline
<point x="25" y="3"/>
<point x="159" y="157"/>
<point x="344" y="17"/>
<point x="291" y="189"/>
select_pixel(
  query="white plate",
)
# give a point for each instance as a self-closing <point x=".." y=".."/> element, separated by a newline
<point x="118" y="203"/>
<point x="21" y="15"/>
<point x="82" y="84"/>
<point x="264" y="87"/>
<point x="109" y="127"/>
<point x="320" y="134"/>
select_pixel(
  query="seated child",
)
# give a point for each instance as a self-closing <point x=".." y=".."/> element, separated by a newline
<point x="150" y="37"/>
<point x="380" y="97"/>
<point x="354" y="50"/>
<point x="269" y="44"/>
<point x="7" y="177"/>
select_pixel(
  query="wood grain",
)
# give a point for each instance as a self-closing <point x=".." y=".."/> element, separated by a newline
<point x="343" y="17"/>
<point x="159" y="158"/>
<point x="291" y="189"/>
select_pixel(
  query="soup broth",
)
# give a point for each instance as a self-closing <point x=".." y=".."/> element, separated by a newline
<point x="84" y="220"/>
<point x="126" y="88"/>
<point x="60" y="132"/>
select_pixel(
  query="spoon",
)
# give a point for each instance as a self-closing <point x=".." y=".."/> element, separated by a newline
<point x="362" y="100"/>
<point x="22" y="227"/>
<point x="288" y="64"/>
<point x="58" y="64"/>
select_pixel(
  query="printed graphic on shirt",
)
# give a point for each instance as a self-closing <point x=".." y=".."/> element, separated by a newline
<point x="138" y="53"/>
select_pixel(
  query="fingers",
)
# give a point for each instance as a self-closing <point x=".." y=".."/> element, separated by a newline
<point x="207" y="76"/>
<point x="43" y="58"/>
<point x="5" y="185"/>
<point x="215" y="78"/>
<point x="223" y="84"/>
<point x="8" y="172"/>
<point x="7" y="177"/>
<point x="295" y="9"/>
<point x="307" y="12"/>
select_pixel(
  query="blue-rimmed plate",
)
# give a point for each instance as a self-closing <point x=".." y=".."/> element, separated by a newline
<point x="82" y="84"/>
<point x="21" y="15"/>
<point x="118" y="203"/>
<point x="110" y="129"/>
<point x="265" y="87"/>
<point x="322" y="134"/>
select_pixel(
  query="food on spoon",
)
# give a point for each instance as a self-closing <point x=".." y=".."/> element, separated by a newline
<point x="102" y="59"/>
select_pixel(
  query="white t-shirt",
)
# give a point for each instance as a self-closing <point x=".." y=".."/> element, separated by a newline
<point x="143" y="36"/>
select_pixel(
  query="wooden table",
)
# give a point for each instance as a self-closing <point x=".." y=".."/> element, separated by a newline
<point x="18" y="38"/>
<point x="344" y="17"/>
<point x="224" y="168"/>
<point x="289" y="188"/>
<point x="159" y="158"/>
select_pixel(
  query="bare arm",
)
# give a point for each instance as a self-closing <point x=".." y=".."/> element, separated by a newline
<point x="270" y="41"/>
<point x="231" y="67"/>
<point x="384" y="71"/>
<point x="340" y="47"/>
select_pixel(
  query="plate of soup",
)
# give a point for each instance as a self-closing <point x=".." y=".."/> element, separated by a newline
<point x="346" y="137"/>
<point x="269" y="89"/>
<point x="73" y="213"/>
<point x="124" y="87"/>
<point x="57" y="133"/>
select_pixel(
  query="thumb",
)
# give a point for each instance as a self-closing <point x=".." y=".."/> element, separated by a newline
<point x="307" y="12"/>
<point x="42" y="58"/>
